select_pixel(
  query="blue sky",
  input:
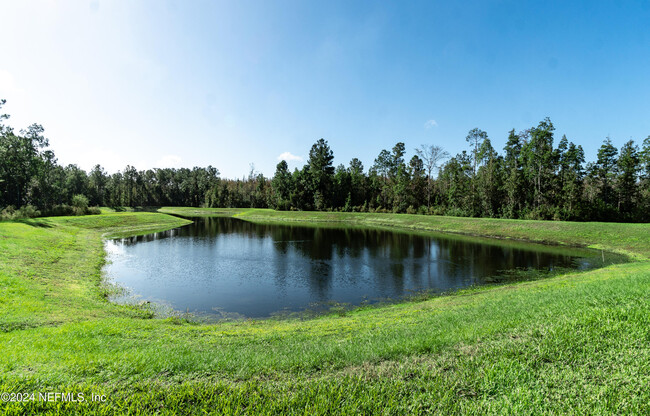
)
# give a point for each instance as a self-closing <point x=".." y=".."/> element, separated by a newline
<point x="170" y="84"/>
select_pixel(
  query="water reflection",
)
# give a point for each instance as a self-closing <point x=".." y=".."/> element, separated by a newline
<point x="255" y="270"/>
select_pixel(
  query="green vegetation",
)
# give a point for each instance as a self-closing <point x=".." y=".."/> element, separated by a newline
<point x="577" y="343"/>
<point x="50" y="267"/>
<point x="532" y="179"/>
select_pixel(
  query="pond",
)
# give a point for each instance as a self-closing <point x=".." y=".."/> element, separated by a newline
<point x="225" y="267"/>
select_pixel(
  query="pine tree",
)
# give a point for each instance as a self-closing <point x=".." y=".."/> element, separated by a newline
<point x="606" y="168"/>
<point x="628" y="167"/>
<point x="321" y="170"/>
<point x="282" y="186"/>
<point x="513" y="173"/>
<point x="540" y="165"/>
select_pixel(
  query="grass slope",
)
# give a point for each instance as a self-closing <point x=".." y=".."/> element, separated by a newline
<point x="577" y="343"/>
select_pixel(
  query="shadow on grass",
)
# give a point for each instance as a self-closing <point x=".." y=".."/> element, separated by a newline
<point x="35" y="222"/>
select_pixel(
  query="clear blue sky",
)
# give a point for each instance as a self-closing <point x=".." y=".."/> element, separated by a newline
<point x="165" y="83"/>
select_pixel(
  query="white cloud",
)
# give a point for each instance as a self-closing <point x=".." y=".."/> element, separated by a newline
<point x="288" y="156"/>
<point x="169" y="161"/>
<point x="431" y="123"/>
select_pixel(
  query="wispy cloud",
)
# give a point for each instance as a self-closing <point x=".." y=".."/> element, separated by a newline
<point x="431" y="123"/>
<point x="169" y="161"/>
<point x="288" y="156"/>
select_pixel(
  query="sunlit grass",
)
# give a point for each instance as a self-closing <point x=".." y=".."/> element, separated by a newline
<point x="576" y="343"/>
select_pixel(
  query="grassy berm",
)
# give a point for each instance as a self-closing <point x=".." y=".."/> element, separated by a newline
<point x="577" y="343"/>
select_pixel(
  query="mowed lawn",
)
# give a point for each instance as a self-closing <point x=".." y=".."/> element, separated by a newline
<point x="577" y="343"/>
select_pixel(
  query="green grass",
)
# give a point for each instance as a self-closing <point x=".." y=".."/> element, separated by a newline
<point x="50" y="267"/>
<point x="577" y="343"/>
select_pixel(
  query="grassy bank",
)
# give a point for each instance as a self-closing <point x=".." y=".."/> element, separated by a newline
<point x="576" y="343"/>
<point x="49" y="267"/>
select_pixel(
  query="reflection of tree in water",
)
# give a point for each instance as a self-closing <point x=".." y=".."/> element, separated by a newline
<point x="320" y="280"/>
<point x="477" y="261"/>
<point x="392" y="261"/>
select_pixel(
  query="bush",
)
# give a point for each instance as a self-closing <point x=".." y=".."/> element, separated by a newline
<point x="437" y="211"/>
<point x="67" y="210"/>
<point x="26" y="211"/>
<point x="80" y="204"/>
<point x="61" y="210"/>
<point x="8" y="213"/>
<point x="30" y="211"/>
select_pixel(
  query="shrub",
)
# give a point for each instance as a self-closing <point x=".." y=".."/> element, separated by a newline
<point x="67" y="210"/>
<point x="437" y="211"/>
<point x="28" y="211"/>
<point x="61" y="210"/>
<point x="8" y="213"/>
<point x="80" y="204"/>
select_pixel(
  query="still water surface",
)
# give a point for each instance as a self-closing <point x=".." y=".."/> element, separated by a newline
<point x="230" y="267"/>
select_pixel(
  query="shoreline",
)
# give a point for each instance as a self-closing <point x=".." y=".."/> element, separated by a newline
<point x="573" y="337"/>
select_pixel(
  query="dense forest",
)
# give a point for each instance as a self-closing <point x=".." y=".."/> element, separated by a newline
<point x="531" y="179"/>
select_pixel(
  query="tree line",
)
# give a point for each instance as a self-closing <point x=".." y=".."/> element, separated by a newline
<point x="530" y="179"/>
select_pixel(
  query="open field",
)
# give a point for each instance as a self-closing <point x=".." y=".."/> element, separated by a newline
<point x="578" y="343"/>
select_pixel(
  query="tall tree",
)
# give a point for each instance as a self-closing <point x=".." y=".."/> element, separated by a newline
<point x="540" y="165"/>
<point x="396" y="159"/>
<point x="645" y="159"/>
<point x="357" y="182"/>
<point x="628" y="167"/>
<point x="282" y="184"/>
<point x="475" y="137"/>
<point x="513" y="172"/>
<point x="379" y="177"/>
<point x="321" y="169"/>
<point x="571" y="158"/>
<point x="455" y="181"/>
<point x="418" y="185"/>
<point x="398" y="179"/>
<point x="342" y="193"/>
<point x="303" y="195"/>
<point x="97" y="185"/>
<point x="645" y="180"/>
<point x="489" y="180"/>
<point x="20" y="161"/>
<point x="431" y="156"/>
<point x="606" y="169"/>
